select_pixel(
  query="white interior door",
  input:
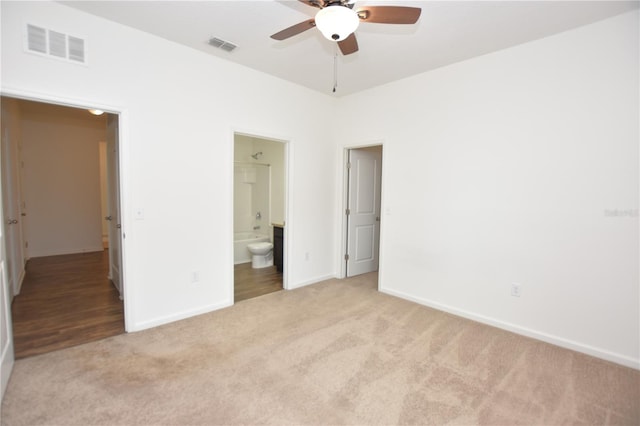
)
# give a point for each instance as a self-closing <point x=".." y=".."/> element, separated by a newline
<point x="6" y="339"/>
<point x="113" y="201"/>
<point x="14" y="255"/>
<point x="363" y="214"/>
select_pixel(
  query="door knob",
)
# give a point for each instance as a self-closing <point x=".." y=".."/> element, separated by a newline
<point x="107" y="217"/>
<point x="11" y="221"/>
<point x="377" y="218"/>
<point x="23" y="214"/>
<point x="118" y="226"/>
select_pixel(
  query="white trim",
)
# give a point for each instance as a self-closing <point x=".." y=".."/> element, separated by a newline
<point x="343" y="205"/>
<point x="181" y="315"/>
<point x="311" y="281"/>
<point x="23" y="273"/>
<point x="341" y="269"/>
<point x="288" y="149"/>
<point x="6" y="368"/>
<point x="58" y="100"/>
<point x="126" y="214"/>
<point x="287" y="266"/>
<point x="548" y="338"/>
<point x="57" y="252"/>
<point x="128" y="293"/>
<point x="230" y="227"/>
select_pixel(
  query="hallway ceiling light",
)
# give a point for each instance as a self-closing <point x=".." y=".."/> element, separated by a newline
<point x="96" y="111"/>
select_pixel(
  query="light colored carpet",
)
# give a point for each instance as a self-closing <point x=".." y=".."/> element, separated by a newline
<point x="337" y="352"/>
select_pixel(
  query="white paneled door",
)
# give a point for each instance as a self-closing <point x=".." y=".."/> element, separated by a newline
<point x="363" y="212"/>
<point x="113" y="201"/>
<point x="11" y="199"/>
<point x="6" y="339"/>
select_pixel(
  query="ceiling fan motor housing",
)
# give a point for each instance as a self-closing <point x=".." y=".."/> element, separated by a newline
<point x="337" y="22"/>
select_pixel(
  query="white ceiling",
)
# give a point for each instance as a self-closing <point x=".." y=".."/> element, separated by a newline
<point x="447" y="32"/>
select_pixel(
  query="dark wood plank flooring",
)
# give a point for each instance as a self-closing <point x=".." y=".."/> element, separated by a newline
<point x="65" y="301"/>
<point x="250" y="283"/>
<point x="68" y="300"/>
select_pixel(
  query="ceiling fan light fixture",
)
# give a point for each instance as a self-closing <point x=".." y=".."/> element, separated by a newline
<point x="337" y="22"/>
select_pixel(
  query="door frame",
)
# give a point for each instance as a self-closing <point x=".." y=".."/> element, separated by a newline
<point x="288" y="156"/>
<point x="344" y="204"/>
<point x="123" y="171"/>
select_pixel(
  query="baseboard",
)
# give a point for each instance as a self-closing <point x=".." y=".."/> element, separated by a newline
<point x="179" y="316"/>
<point x="554" y="340"/>
<point x="54" y="252"/>
<point x="23" y="273"/>
<point x="311" y="281"/>
<point x="209" y="308"/>
<point x="6" y="366"/>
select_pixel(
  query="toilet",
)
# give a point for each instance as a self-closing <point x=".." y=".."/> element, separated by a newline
<point x="261" y="255"/>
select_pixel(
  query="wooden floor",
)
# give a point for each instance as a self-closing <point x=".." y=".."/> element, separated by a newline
<point x="68" y="300"/>
<point x="65" y="301"/>
<point x="250" y="283"/>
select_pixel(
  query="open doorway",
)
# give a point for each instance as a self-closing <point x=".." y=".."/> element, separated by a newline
<point x="259" y="225"/>
<point x="69" y="289"/>
<point x="362" y="198"/>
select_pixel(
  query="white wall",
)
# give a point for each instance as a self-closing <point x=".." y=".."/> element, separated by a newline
<point x="497" y="169"/>
<point x="242" y="217"/>
<point x="274" y="155"/>
<point x="177" y="127"/>
<point x="508" y="168"/>
<point x="60" y="153"/>
<point x="252" y="188"/>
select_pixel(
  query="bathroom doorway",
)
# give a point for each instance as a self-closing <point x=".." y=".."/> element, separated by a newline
<point x="259" y="210"/>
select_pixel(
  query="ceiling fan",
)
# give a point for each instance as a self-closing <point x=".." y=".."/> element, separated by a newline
<point x="337" y="21"/>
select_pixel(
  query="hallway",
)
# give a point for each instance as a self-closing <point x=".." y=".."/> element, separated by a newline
<point x="65" y="301"/>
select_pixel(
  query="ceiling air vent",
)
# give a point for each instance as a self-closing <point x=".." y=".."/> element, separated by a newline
<point x="55" y="44"/>
<point x="222" y="44"/>
<point x="36" y="39"/>
<point x="76" y="49"/>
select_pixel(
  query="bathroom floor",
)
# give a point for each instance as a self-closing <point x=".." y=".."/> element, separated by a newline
<point x="250" y="283"/>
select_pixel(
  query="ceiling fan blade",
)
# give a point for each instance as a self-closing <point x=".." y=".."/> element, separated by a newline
<point x="294" y="30"/>
<point x="313" y="3"/>
<point x="349" y="45"/>
<point x="390" y="14"/>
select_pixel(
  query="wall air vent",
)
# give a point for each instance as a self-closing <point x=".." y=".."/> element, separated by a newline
<point x="222" y="44"/>
<point x="55" y="44"/>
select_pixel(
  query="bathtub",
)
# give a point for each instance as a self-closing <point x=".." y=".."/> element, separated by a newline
<point x="240" y="242"/>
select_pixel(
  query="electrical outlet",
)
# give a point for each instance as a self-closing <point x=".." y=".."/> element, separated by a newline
<point x="306" y="255"/>
<point x="516" y="289"/>
<point x="195" y="277"/>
